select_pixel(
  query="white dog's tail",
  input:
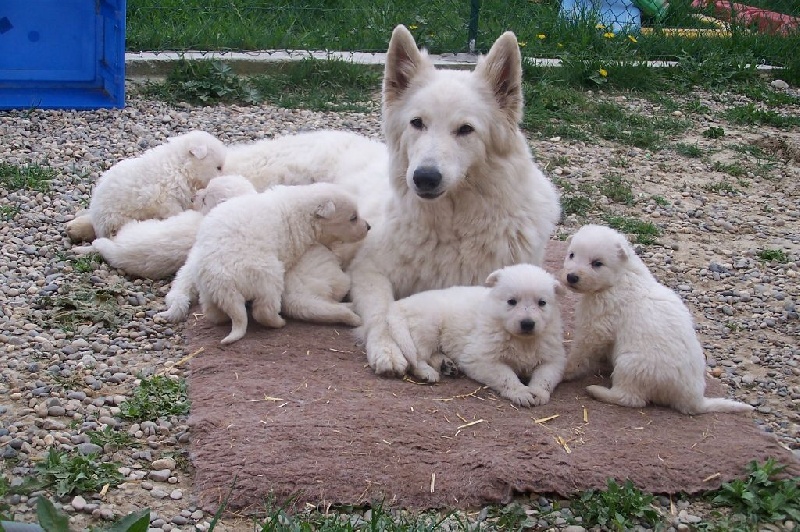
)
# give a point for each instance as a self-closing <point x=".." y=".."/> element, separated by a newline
<point x="180" y="296"/>
<point x="398" y="328"/>
<point x="720" y="404"/>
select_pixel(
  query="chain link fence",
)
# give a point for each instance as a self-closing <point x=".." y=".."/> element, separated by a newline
<point x="768" y="31"/>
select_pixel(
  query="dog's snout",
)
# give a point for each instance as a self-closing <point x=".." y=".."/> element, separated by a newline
<point x="369" y="227"/>
<point x="527" y="326"/>
<point x="572" y="278"/>
<point x="427" y="178"/>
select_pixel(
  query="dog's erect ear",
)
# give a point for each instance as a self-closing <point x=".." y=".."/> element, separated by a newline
<point x="622" y="251"/>
<point x="493" y="278"/>
<point x="403" y="62"/>
<point x="199" y="151"/>
<point x="502" y="69"/>
<point x="325" y="210"/>
<point x="559" y="288"/>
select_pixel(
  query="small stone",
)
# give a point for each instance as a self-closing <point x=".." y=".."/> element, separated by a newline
<point x="176" y="495"/>
<point x="779" y="84"/>
<point x="164" y="463"/>
<point x="78" y="503"/>
<point x="160" y="475"/>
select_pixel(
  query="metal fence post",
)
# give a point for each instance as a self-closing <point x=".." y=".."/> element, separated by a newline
<point x="475" y="7"/>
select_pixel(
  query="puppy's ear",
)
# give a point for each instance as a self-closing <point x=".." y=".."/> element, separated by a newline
<point x="502" y="69"/>
<point x="493" y="278"/>
<point x="569" y="239"/>
<point x="199" y="151"/>
<point x="325" y="210"/>
<point x="559" y="288"/>
<point x="622" y="251"/>
<point x="403" y="62"/>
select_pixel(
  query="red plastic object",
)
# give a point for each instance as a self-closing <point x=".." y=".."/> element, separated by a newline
<point x="766" y="21"/>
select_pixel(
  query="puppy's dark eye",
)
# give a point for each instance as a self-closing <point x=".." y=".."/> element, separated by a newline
<point x="465" y="129"/>
<point x="512" y="302"/>
<point x="219" y="168"/>
<point x="597" y="263"/>
<point x="572" y="255"/>
<point x="354" y="218"/>
<point x="542" y="303"/>
<point x="417" y="123"/>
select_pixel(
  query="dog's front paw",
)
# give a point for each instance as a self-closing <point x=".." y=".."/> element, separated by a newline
<point x="540" y="395"/>
<point x="449" y="368"/>
<point x="521" y="396"/>
<point x="426" y="373"/>
<point x="386" y="358"/>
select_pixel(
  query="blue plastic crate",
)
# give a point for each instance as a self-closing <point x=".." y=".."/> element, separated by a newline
<point x="62" y="54"/>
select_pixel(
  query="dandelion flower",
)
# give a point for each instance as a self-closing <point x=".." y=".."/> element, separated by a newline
<point x="632" y="39"/>
<point x="542" y="36"/>
<point x="609" y="35"/>
<point x="603" y="72"/>
<point x="600" y="26"/>
<point x="522" y="44"/>
<point x="413" y="26"/>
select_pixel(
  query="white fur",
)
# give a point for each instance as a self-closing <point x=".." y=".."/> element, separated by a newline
<point x="497" y="334"/>
<point x="641" y="327"/>
<point x="157" y="184"/>
<point x="245" y="246"/>
<point x="155" y="248"/>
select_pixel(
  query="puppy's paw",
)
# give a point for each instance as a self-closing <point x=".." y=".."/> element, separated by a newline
<point x="426" y="373"/>
<point x="349" y="317"/>
<point x="520" y="396"/>
<point x="540" y="395"/>
<point x="449" y="368"/>
<point x="386" y="358"/>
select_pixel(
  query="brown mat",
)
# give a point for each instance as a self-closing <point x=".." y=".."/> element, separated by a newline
<point x="297" y="412"/>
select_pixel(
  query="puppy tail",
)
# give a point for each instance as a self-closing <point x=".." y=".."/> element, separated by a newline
<point x="402" y="336"/>
<point x="720" y="404"/>
<point x="180" y="296"/>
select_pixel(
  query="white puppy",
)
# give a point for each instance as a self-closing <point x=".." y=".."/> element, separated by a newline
<point x="245" y="246"/>
<point x="155" y="248"/>
<point x="497" y="334"/>
<point x="157" y="184"/>
<point x="641" y="327"/>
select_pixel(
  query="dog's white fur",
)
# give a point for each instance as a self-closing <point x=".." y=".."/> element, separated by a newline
<point x="643" y="328"/>
<point x="465" y="195"/>
<point x="245" y="246"/>
<point x="159" y="183"/>
<point x="155" y="249"/>
<point x="497" y="334"/>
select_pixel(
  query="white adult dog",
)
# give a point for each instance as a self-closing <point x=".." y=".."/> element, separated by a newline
<point x="154" y="249"/>
<point x="159" y="183"/>
<point x="509" y="330"/>
<point x="624" y="316"/>
<point x="245" y="246"/>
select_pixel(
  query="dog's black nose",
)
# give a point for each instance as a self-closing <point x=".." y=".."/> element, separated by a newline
<point x="369" y="227"/>
<point x="527" y="326"/>
<point x="572" y="278"/>
<point x="427" y="178"/>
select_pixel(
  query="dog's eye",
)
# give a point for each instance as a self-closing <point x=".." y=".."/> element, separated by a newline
<point x="417" y="123"/>
<point x="542" y="303"/>
<point x="219" y="168"/>
<point x="597" y="263"/>
<point x="512" y="301"/>
<point x="466" y="129"/>
<point x="572" y="255"/>
<point x="354" y="218"/>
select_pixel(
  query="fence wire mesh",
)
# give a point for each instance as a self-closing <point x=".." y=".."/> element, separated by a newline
<point x="768" y="31"/>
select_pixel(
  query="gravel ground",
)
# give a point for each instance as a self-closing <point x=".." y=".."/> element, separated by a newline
<point x="59" y="383"/>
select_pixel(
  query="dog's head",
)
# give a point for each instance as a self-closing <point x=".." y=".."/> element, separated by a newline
<point x="337" y="216"/>
<point x="204" y="156"/>
<point x="443" y="124"/>
<point x="596" y="258"/>
<point x="220" y="189"/>
<point x="523" y="297"/>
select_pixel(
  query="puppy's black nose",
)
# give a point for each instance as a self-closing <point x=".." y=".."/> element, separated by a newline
<point x="427" y="178"/>
<point x="369" y="227"/>
<point x="572" y="278"/>
<point x="527" y="326"/>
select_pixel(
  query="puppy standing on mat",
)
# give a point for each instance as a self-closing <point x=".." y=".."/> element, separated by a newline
<point x="496" y="334"/>
<point x="640" y="326"/>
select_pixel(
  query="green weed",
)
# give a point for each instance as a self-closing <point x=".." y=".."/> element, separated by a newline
<point x="762" y="497"/>
<point x="203" y="82"/>
<point x="616" y="188"/>
<point x="28" y="177"/>
<point x="116" y="439"/>
<point x="660" y="200"/>
<point x="52" y="519"/>
<point x="689" y="150"/>
<point x="773" y="255"/>
<point x="618" y="507"/>
<point x="646" y="232"/>
<point x="732" y="169"/>
<point x="80" y="305"/>
<point x="156" y="397"/>
<point x="8" y="212"/>
<point x="751" y="115"/>
<point x="73" y="473"/>
<point x="720" y="187"/>
<point x="86" y="263"/>
<point x="714" y="132"/>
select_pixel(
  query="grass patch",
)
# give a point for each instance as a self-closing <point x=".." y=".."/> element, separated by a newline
<point x="720" y="187"/>
<point x="156" y="397"/>
<point x="618" y="507"/>
<point x="773" y="255"/>
<point x="689" y="150"/>
<point x="79" y="305"/>
<point x="617" y="189"/>
<point x="8" y="212"/>
<point x="86" y="263"/>
<point x="660" y="200"/>
<point x="714" y="132"/>
<point x="762" y="497"/>
<point x="27" y="177"/>
<point x="73" y="473"/>
<point x="116" y="439"/>
<point x="645" y="232"/>
<point x="315" y="84"/>
<point x="732" y="169"/>
<point x="751" y="115"/>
